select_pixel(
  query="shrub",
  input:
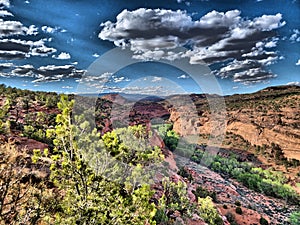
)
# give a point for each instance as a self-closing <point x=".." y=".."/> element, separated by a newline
<point x="203" y="193"/>
<point x="183" y="172"/>
<point x="295" y="218"/>
<point x="231" y="219"/>
<point x="237" y="203"/>
<point x="263" y="221"/>
<point x="239" y="210"/>
<point x="208" y="212"/>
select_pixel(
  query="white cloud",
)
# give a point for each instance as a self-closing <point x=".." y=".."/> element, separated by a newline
<point x="5" y="3"/>
<point x="296" y="83"/>
<point x="12" y="48"/>
<point x="119" y="79"/>
<point x="295" y="37"/>
<point x="32" y="30"/>
<point x="22" y="48"/>
<point x="183" y="76"/>
<point x="67" y="87"/>
<point x="271" y="44"/>
<point x="154" y="34"/>
<point x="90" y="79"/>
<point x="4" y="66"/>
<point x="48" y="29"/>
<point x="47" y="73"/>
<point x="156" y="79"/>
<point x="298" y="63"/>
<point x="9" y="28"/>
<point x="253" y="75"/>
<point x="4" y="13"/>
<point x="268" y="22"/>
<point x="62" y="56"/>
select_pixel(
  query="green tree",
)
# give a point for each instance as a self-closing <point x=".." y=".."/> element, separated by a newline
<point x="90" y="173"/>
<point x="171" y="139"/>
<point x="4" y="114"/>
<point x="295" y="218"/>
<point x="174" y="198"/>
<point x="208" y="212"/>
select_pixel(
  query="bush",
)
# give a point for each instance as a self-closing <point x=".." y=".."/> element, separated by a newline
<point x="239" y="210"/>
<point x="208" y="212"/>
<point x="171" y="139"/>
<point x="237" y="203"/>
<point x="263" y="221"/>
<point x="231" y="219"/>
<point x="183" y="172"/>
<point x="203" y="193"/>
<point x="295" y="218"/>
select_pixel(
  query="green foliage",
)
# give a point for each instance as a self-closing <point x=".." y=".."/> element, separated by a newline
<point x="295" y="218"/>
<point x="203" y="193"/>
<point x="174" y="198"/>
<point x="36" y="125"/>
<point x="170" y="137"/>
<point x="184" y="173"/>
<point x="97" y="188"/>
<point x="239" y="210"/>
<point x="238" y="203"/>
<point x="269" y="182"/>
<point x="4" y="114"/>
<point x="131" y="146"/>
<point x="231" y="219"/>
<point x="23" y="200"/>
<point x="51" y="101"/>
<point x="263" y="221"/>
<point x="208" y="212"/>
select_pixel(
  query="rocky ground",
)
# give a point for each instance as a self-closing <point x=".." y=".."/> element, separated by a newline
<point x="254" y="205"/>
<point x="260" y="119"/>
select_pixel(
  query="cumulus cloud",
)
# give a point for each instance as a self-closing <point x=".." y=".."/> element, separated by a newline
<point x="119" y="79"/>
<point x="24" y="71"/>
<point x="295" y="37"/>
<point x="16" y="48"/>
<point x="254" y="75"/>
<point x="10" y="28"/>
<point x="154" y="34"/>
<point x="183" y="76"/>
<point x="92" y="79"/>
<point x="296" y="83"/>
<point x="156" y="79"/>
<point x="149" y="90"/>
<point x="47" y="73"/>
<point x="4" y="3"/>
<point x="101" y="79"/>
<point x="4" y="13"/>
<point x="4" y="66"/>
<point x="62" y="56"/>
<point x="298" y="63"/>
<point x="48" y="29"/>
<point x="65" y="71"/>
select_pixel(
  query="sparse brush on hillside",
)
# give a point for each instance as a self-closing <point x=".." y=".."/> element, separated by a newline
<point x="24" y="199"/>
<point x="269" y="182"/>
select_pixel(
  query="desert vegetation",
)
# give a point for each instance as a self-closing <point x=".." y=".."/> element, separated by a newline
<point x="56" y="168"/>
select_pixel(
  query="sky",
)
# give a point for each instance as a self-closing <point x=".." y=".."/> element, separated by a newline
<point x="149" y="47"/>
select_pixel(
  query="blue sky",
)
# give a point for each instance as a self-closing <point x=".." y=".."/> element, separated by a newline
<point x="246" y="45"/>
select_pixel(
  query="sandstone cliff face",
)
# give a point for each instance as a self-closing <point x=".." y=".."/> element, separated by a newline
<point x="268" y="116"/>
